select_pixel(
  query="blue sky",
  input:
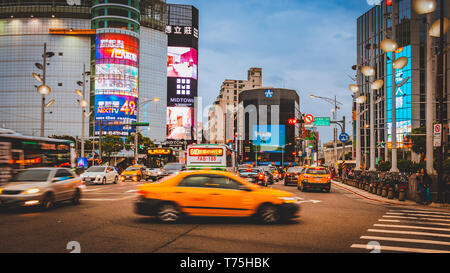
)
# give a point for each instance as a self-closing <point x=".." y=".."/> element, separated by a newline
<point x="308" y="46"/>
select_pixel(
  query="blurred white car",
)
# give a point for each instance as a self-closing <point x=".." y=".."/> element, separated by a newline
<point x="100" y="175"/>
<point x="41" y="187"/>
<point x="154" y="174"/>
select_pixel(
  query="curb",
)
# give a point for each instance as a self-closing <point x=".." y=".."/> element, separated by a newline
<point x="377" y="198"/>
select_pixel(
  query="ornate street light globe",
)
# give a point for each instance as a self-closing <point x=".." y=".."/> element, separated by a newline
<point x="377" y="84"/>
<point x="361" y="99"/>
<point x="83" y="103"/>
<point x="388" y="45"/>
<point x="424" y="6"/>
<point x="400" y="63"/>
<point x="43" y="89"/>
<point x="354" y="88"/>
<point x="435" y="29"/>
<point x="368" y="71"/>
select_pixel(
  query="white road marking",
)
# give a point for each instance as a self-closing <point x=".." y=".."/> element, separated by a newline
<point x="425" y="211"/>
<point x="406" y="240"/>
<point x="417" y="218"/>
<point x="413" y="227"/>
<point x="92" y="189"/>
<point x="409" y="232"/>
<point x="107" y="199"/>
<point x="409" y="221"/>
<point x="402" y="249"/>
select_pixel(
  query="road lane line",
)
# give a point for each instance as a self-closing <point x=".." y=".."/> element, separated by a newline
<point x="107" y="199"/>
<point x="402" y="249"/>
<point x="409" y="232"/>
<point x="416" y="222"/>
<point x="91" y="189"/>
<point x="414" y="227"/>
<point x="386" y="220"/>
<point x="405" y="240"/>
<point x="417" y="218"/>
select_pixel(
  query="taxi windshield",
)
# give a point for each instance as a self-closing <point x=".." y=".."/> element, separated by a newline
<point x="316" y="171"/>
<point x="133" y="169"/>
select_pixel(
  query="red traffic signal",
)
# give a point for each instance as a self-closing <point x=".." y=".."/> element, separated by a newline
<point x="292" y="121"/>
<point x="389" y="3"/>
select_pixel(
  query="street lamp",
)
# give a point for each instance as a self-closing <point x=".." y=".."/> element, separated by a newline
<point x="335" y="103"/>
<point x="43" y="89"/>
<point x="83" y="104"/>
<point x="136" y="139"/>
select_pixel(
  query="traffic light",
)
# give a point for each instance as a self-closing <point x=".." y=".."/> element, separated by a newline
<point x="292" y="121"/>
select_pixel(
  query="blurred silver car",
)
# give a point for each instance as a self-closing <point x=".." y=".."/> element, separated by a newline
<point x="154" y="174"/>
<point x="41" y="187"/>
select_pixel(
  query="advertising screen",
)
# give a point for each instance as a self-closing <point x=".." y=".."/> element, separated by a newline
<point x="181" y="62"/>
<point x="116" y="82"/>
<point x="181" y="92"/>
<point x="115" y="110"/>
<point x="402" y="99"/>
<point x="179" y="123"/>
<point x="269" y="138"/>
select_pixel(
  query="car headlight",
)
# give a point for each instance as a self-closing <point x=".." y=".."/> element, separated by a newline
<point x="1" y="190"/>
<point x="32" y="191"/>
<point x="288" y="199"/>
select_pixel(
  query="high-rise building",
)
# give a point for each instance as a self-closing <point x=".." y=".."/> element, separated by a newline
<point x="122" y="43"/>
<point x="411" y="35"/>
<point x="220" y="127"/>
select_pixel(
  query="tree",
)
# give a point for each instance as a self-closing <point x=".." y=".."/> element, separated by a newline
<point x="144" y="142"/>
<point x="111" y="144"/>
<point x="418" y="140"/>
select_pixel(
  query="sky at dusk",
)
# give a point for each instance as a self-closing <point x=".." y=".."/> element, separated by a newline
<point x="308" y="46"/>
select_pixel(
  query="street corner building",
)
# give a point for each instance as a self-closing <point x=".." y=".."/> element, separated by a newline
<point x="121" y="43"/>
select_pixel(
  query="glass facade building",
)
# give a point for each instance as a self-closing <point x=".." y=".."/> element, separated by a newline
<point x="376" y="24"/>
<point x="24" y="28"/>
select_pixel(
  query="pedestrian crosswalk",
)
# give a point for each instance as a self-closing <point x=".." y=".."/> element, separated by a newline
<point x="408" y="230"/>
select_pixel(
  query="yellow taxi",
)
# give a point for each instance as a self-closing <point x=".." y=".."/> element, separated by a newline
<point x="213" y="193"/>
<point x="133" y="173"/>
<point x="314" y="178"/>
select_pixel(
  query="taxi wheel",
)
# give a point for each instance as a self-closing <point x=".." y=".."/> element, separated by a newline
<point x="104" y="181"/>
<point x="116" y="179"/>
<point x="269" y="214"/>
<point x="168" y="213"/>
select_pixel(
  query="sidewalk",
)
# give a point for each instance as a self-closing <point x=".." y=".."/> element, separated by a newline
<point x="370" y="196"/>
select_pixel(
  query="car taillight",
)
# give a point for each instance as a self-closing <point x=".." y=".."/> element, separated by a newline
<point x="296" y="173"/>
<point x="260" y="176"/>
<point x="329" y="177"/>
<point x="140" y="192"/>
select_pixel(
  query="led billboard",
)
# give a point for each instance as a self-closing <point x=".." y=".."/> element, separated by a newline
<point x="116" y="82"/>
<point x="269" y="138"/>
<point x="402" y="99"/>
<point x="181" y="62"/>
<point x="179" y="123"/>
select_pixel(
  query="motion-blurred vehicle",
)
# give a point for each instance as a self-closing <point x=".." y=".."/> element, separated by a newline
<point x="172" y="168"/>
<point x="154" y="174"/>
<point x="213" y="193"/>
<point x="291" y="176"/>
<point x="268" y="173"/>
<point x="133" y="173"/>
<point x="314" y="178"/>
<point x="41" y="187"/>
<point x="100" y="175"/>
<point x="254" y="175"/>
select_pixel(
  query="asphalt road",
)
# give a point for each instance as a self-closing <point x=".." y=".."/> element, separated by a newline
<point x="335" y="222"/>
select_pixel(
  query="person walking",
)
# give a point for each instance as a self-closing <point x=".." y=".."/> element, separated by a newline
<point x="420" y="187"/>
<point x="427" y="185"/>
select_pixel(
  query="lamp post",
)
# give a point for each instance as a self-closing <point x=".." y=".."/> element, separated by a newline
<point x="43" y="89"/>
<point x="83" y="104"/>
<point x="335" y="104"/>
<point x="136" y="140"/>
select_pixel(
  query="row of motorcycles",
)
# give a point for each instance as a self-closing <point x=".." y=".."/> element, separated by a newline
<point x="390" y="185"/>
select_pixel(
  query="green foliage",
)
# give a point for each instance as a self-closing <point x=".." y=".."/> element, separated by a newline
<point x="144" y="142"/>
<point x="384" y="166"/>
<point x="111" y="144"/>
<point x="418" y="140"/>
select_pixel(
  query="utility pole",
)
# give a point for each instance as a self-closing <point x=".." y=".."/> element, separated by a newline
<point x="83" y="111"/>
<point x="430" y="104"/>
<point x="44" y="65"/>
<point x="439" y="95"/>
<point x="394" y="168"/>
<point x="372" y="109"/>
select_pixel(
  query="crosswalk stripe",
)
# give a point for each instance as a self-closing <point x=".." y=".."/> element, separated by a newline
<point x="409" y="232"/>
<point x="417" y="218"/>
<point x="402" y="249"/>
<point x="406" y="240"/>
<point x="414" y="214"/>
<point x="414" y="227"/>
<point x="409" y="221"/>
<point x="424" y="211"/>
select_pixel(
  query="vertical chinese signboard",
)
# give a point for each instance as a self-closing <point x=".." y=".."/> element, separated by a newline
<point x="182" y="80"/>
<point x="116" y="82"/>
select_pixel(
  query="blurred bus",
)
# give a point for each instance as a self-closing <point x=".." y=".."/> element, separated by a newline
<point x="210" y="156"/>
<point x="19" y="152"/>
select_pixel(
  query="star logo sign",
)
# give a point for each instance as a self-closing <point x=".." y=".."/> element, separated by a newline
<point x="269" y="93"/>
